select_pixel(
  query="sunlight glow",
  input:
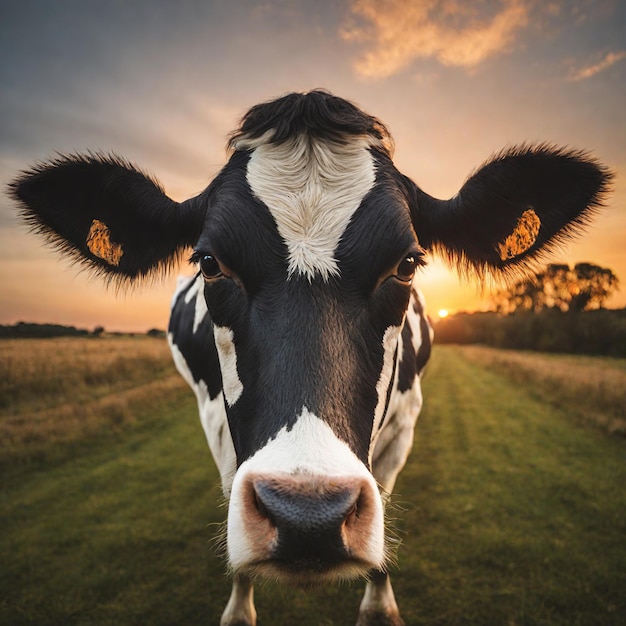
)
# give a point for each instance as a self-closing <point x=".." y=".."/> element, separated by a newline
<point x="442" y="313"/>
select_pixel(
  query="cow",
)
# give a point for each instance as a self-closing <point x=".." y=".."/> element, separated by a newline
<point x="302" y="333"/>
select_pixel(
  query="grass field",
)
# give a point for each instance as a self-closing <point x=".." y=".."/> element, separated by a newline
<point x="55" y="392"/>
<point x="512" y="509"/>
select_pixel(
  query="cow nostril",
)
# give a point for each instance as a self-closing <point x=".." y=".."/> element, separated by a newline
<point x="352" y="515"/>
<point x="260" y="507"/>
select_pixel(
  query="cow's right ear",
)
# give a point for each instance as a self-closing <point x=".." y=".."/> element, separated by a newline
<point x="107" y="214"/>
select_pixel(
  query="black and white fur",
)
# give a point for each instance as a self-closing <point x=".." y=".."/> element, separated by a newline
<point x="303" y="335"/>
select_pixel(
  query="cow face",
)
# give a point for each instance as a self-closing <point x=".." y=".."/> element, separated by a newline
<point x="306" y="319"/>
<point x="306" y="280"/>
<point x="307" y="243"/>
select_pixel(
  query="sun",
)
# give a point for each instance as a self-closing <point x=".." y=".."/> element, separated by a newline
<point x="442" y="313"/>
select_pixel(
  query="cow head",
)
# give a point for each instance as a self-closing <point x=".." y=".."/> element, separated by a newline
<point x="307" y="242"/>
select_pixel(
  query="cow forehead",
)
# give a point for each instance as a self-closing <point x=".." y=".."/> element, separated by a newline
<point x="312" y="188"/>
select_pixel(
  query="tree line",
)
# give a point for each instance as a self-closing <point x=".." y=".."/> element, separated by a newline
<point x="27" y="330"/>
<point x="558" y="309"/>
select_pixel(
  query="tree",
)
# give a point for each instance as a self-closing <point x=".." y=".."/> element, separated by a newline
<point x="582" y="288"/>
<point x="594" y="285"/>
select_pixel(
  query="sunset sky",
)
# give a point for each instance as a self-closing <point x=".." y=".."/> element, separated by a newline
<point x="162" y="83"/>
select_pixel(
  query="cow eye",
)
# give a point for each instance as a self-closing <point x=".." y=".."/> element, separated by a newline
<point x="406" y="268"/>
<point x="210" y="267"/>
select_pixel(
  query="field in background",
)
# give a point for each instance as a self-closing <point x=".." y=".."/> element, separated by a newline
<point x="55" y="392"/>
<point x="511" y="509"/>
<point x="591" y="389"/>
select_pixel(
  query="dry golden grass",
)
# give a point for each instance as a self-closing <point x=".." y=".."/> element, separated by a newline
<point x="591" y="388"/>
<point x="59" y="391"/>
<point x="39" y="373"/>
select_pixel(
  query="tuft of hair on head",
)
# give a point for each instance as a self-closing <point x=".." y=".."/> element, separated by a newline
<point x="318" y="114"/>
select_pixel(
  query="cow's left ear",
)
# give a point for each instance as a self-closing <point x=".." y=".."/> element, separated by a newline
<point x="516" y="206"/>
<point x="107" y="214"/>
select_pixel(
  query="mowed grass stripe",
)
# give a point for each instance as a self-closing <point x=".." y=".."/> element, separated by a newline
<point x="513" y="515"/>
<point x="517" y="515"/>
<point x="592" y="389"/>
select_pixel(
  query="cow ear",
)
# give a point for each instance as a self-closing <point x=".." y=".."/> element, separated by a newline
<point x="517" y="206"/>
<point x="108" y="215"/>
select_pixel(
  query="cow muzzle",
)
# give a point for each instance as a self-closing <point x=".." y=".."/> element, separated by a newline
<point x="306" y="528"/>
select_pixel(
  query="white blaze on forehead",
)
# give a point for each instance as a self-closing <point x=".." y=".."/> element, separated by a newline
<point x="312" y="188"/>
<point x="224" y="342"/>
<point x="310" y="447"/>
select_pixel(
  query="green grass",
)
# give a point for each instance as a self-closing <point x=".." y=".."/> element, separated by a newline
<point x="115" y="536"/>
<point x="513" y="514"/>
<point x="591" y="389"/>
<point x="517" y="515"/>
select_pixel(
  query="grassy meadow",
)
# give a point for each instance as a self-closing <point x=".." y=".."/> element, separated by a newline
<point x="511" y="509"/>
<point x="55" y="392"/>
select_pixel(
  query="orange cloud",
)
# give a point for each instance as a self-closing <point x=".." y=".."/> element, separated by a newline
<point x="455" y="32"/>
<point x="591" y="70"/>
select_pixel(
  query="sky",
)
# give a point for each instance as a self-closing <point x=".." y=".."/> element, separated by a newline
<point x="162" y="83"/>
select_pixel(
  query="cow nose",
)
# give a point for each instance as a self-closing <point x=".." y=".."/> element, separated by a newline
<point x="316" y="523"/>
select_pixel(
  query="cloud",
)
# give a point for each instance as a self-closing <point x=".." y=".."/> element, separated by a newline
<point x="610" y="58"/>
<point x="455" y="32"/>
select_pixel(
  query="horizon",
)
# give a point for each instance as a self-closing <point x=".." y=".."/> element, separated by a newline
<point x="163" y="85"/>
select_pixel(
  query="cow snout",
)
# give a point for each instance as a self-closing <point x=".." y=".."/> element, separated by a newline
<point x="301" y="526"/>
<point x="314" y="523"/>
